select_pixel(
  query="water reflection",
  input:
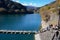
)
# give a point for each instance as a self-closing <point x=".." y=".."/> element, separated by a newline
<point x="18" y="22"/>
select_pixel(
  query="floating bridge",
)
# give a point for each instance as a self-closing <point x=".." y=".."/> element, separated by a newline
<point x="17" y="32"/>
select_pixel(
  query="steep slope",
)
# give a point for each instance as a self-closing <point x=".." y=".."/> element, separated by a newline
<point x="49" y="13"/>
<point x="49" y="9"/>
<point x="12" y="7"/>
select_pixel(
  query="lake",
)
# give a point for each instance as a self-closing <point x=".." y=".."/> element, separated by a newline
<point x="27" y="22"/>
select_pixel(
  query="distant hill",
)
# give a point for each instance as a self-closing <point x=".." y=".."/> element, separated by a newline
<point x="12" y="7"/>
<point x="32" y="8"/>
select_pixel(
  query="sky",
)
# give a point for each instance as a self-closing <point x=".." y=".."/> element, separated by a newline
<point x="36" y="3"/>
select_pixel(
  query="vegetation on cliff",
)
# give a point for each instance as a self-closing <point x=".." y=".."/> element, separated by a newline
<point x="49" y="9"/>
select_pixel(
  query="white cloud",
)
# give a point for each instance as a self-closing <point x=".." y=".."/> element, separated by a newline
<point x="24" y="4"/>
<point x="16" y="0"/>
<point x="35" y="4"/>
<point x="29" y="4"/>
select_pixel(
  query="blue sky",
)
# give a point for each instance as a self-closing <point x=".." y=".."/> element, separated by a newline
<point x="37" y="3"/>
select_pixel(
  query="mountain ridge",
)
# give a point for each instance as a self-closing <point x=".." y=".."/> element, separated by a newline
<point x="12" y="7"/>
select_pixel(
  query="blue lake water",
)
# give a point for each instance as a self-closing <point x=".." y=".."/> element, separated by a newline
<point x="19" y="22"/>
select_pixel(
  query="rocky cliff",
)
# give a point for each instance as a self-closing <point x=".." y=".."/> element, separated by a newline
<point x="49" y="12"/>
<point x="49" y="9"/>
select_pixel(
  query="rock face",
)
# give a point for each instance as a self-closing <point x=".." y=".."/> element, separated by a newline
<point x="49" y="8"/>
<point x="12" y="7"/>
<point x="49" y="12"/>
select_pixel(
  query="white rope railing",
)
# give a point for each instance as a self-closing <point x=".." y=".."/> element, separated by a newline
<point x="17" y="31"/>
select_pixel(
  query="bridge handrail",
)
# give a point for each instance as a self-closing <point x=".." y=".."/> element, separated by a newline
<point x="17" y="31"/>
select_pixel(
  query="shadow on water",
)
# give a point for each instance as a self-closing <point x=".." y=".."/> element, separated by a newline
<point x="13" y="12"/>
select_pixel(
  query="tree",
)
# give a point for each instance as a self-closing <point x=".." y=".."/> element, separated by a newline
<point x="48" y="7"/>
<point x="59" y="5"/>
<point x="22" y="10"/>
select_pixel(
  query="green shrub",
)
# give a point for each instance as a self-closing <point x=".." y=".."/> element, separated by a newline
<point x="49" y="7"/>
